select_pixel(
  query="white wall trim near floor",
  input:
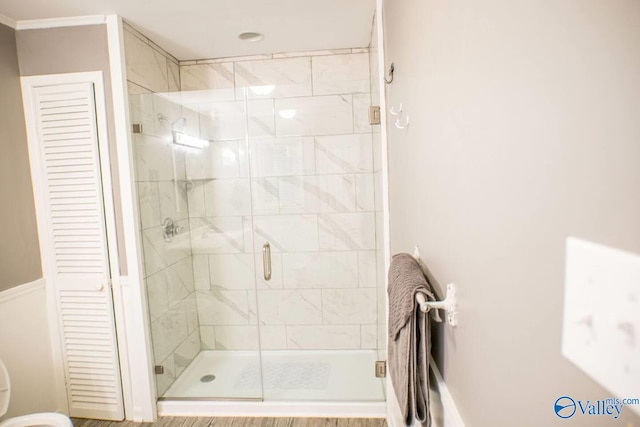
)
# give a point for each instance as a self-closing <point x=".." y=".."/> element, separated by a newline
<point x="26" y="350"/>
<point x="272" y="409"/>
<point x="21" y="290"/>
<point x="72" y="21"/>
<point x="450" y="415"/>
<point x="9" y="22"/>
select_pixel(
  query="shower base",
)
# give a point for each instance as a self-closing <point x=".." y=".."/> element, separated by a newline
<point x="282" y="375"/>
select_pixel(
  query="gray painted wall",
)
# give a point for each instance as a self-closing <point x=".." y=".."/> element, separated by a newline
<point x="19" y="246"/>
<point x="71" y="50"/>
<point x="524" y="130"/>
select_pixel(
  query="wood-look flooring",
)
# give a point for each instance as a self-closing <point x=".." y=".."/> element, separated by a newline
<point x="239" y="422"/>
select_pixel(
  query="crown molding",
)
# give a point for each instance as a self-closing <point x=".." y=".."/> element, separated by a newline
<point x="73" y="21"/>
<point x="9" y="22"/>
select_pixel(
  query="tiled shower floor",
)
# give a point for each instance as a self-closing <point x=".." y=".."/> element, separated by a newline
<point x="288" y="375"/>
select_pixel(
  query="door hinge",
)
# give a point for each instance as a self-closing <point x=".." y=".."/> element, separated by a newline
<point x="374" y="115"/>
<point x="159" y="369"/>
<point x="381" y="369"/>
<point x="137" y="128"/>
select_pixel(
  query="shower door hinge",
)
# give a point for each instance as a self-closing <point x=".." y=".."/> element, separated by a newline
<point x="159" y="369"/>
<point x="381" y="369"/>
<point x="374" y="115"/>
<point x="137" y="128"/>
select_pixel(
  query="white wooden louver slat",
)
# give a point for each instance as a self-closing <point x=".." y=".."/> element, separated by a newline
<point x="70" y="158"/>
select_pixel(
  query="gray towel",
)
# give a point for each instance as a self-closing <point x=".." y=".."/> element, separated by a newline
<point x="409" y="339"/>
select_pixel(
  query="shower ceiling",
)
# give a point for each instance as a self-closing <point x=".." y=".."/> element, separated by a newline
<point x="193" y="29"/>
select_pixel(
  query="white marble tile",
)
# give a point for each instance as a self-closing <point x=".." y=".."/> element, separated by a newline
<point x="218" y="235"/>
<point x="282" y="156"/>
<point x="365" y="192"/>
<point x="218" y="307"/>
<point x="159" y="253"/>
<point x="173" y="200"/>
<point x="168" y="332"/>
<point x="347" y="231"/>
<point x="218" y="77"/>
<point x="134" y="89"/>
<point x="290" y="307"/>
<point x="368" y="337"/>
<point x="367" y="269"/>
<point x="190" y="308"/>
<point x="207" y="337"/>
<point x="227" y="197"/>
<point x="221" y="159"/>
<point x="157" y="295"/>
<point x="276" y="271"/>
<point x="376" y="140"/>
<point x="265" y="196"/>
<point x="145" y="66"/>
<point x="149" y="200"/>
<point x="289" y="77"/>
<point x="315" y="270"/>
<point x="290" y="233"/>
<point x="237" y="338"/>
<point x="361" y="104"/>
<point x="349" y="306"/>
<point x="344" y="154"/>
<point x="316" y="115"/>
<point x="201" y="279"/>
<point x="273" y="337"/>
<point x="195" y="199"/>
<point x="317" y="194"/>
<point x="232" y="271"/>
<point x="153" y="158"/>
<point x="173" y="75"/>
<point x="180" y="279"/>
<point x="323" y="337"/>
<point x="186" y="352"/>
<point x="164" y="380"/>
<point x="228" y="120"/>
<point x="340" y="74"/>
<point x="377" y="188"/>
<point x="166" y="112"/>
<point x="261" y="118"/>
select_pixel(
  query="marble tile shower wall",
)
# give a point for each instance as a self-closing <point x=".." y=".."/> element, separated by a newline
<point x="309" y="183"/>
<point x="160" y="174"/>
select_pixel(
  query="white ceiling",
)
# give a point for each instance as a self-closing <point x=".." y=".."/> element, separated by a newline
<point x="196" y="29"/>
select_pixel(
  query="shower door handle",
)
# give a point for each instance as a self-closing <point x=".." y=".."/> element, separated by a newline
<point x="266" y="260"/>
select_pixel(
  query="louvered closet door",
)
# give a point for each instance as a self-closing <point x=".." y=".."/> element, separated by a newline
<point x="78" y="267"/>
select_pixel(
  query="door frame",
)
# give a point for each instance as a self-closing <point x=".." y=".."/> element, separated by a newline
<point x="29" y="84"/>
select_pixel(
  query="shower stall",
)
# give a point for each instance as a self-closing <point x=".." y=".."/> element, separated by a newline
<point x="259" y="191"/>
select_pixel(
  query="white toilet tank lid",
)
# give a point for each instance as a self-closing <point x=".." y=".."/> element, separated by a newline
<point x="5" y="389"/>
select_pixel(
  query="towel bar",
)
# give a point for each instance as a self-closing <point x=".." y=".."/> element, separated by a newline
<point x="448" y="304"/>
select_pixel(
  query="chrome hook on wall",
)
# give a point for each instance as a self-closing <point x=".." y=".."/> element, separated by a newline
<point x="402" y="125"/>
<point x="392" y="68"/>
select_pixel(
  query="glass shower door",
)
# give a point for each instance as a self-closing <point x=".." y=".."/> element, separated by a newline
<point x="192" y="171"/>
<point x="314" y="224"/>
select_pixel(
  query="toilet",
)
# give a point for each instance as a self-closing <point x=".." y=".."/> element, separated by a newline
<point x="46" y="419"/>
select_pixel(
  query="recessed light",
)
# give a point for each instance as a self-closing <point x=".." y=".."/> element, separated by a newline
<point x="251" y="36"/>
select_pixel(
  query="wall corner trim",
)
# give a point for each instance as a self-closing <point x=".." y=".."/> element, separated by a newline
<point x="9" y="22"/>
<point x="451" y="415"/>
<point x="71" y="21"/>
<point x="19" y="291"/>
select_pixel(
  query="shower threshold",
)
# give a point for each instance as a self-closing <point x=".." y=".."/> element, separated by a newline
<point x="284" y="383"/>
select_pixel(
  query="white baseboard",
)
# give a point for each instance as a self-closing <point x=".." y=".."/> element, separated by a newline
<point x="450" y="415"/>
